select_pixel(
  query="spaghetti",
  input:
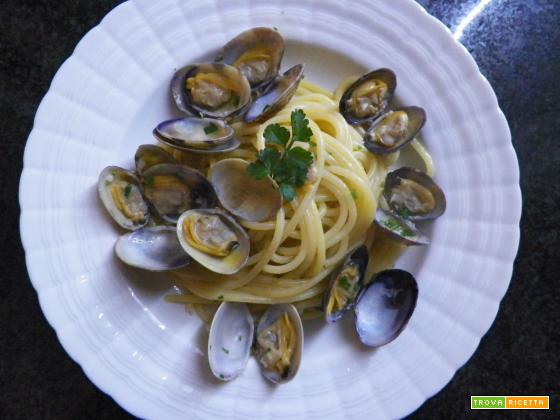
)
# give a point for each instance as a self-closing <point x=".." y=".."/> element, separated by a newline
<point x="293" y="255"/>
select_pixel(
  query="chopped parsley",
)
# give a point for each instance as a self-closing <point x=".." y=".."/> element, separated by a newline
<point x="344" y="283"/>
<point x="354" y="195"/>
<point x="286" y="164"/>
<point x="226" y="351"/>
<point x="236" y="100"/>
<point x="222" y="376"/>
<point x="395" y="226"/>
<point x="403" y="211"/>
<point x="210" y="128"/>
<point x="127" y="190"/>
<point x="275" y="28"/>
<point x="149" y="181"/>
<point x="221" y="297"/>
<point x="357" y="148"/>
<point x="239" y="338"/>
<point x="114" y="172"/>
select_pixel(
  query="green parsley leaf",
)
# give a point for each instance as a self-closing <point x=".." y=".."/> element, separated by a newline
<point x="127" y="190"/>
<point x="288" y="191"/>
<point x="344" y="283"/>
<point x="221" y="297"/>
<point x="210" y="128"/>
<point x="236" y="100"/>
<point x="149" y="181"/>
<point x="300" y="126"/>
<point x="222" y="376"/>
<point x="403" y="211"/>
<point x="354" y="195"/>
<point x="257" y="170"/>
<point x="239" y="338"/>
<point x="275" y="28"/>
<point x="276" y="134"/>
<point x="226" y="351"/>
<point x="287" y="165"/>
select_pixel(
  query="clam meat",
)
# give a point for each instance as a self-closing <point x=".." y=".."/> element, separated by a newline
<point x="257" y="53"/>
<point x="279" y="343"/>
<point x="121" y="194"/>
<point x="214" y="240"/>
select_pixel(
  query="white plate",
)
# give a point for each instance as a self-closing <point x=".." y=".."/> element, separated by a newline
<point x="148" y="354"/>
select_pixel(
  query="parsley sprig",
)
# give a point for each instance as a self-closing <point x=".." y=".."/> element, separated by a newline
<point x="286" y="164"/>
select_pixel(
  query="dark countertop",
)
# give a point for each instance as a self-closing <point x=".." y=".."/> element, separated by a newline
<point x="515" y="43"/>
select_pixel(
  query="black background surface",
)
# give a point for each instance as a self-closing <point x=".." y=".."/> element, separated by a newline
<point x="515" y="43"/>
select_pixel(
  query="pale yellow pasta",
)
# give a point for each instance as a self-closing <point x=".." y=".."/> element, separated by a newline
<point x="292" y="256"/>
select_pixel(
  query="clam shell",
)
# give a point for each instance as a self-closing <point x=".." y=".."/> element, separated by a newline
<point x="385" y="306"/>
<point x="148" y="155"/>
<point x="242" y="195"/>
<point x="199" y="192"/>
<point x="152" y="248"/>
<point x="385" y="75"/>
<point x="183" y="98"/>
<point x="275" y="96"/>
<point x="230" y="264"/>
<point x="255" y="38"/>
<point x="406" y="173"/>
<point x="197" y="135"/>
<point x="416" y="120"/>
<point x="230" y="340"/>
<point x="108" y="176"/>
<point x="359" y="256"/>
<point x="267" y="319"/>
<point x="400" y="229"/>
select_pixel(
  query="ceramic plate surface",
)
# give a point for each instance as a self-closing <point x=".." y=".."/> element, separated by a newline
<point x="149" y="355"/>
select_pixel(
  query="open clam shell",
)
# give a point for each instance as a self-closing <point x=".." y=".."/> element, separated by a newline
<point x="213" y="90"/>
<point x="345" y="285"/>
<point x="400" y="229"/>
<point x="197" y="135"/>
<point x="367" y="97"/>
<point x="172" y="189"/>
<point x="148" y="155"/>
<point x="279" y="343"/>
<point x="257" y="53"/>
<point x="230" y="340"/>
<point x="413" y="195"/>
<point x="214" y="239"/>
<point x="242" y="195"/>
<point x="385" y="306"/>
<point x="275" y="96"/>
<point x="153" y="249"/>
<point x="121" y="193"/>
<point x="394" y="129"/>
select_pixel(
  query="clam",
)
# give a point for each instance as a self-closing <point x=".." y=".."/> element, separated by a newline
<point x="149" y="155"/>
<point x="385" y="306"/>
<point x="400" y="229"/>
<point x="197" y="135"/>
<point x="279" y="343"/>
<point x="172" y="189"/>
<point x="345" y="285"/>
<point x="277" y="94"/>
<point x="257" y="53"/>
<point x="121" y="194"/>
<point x="394" y="129"/>
<point x="212" y="90"/>
<point x="413" y="194"/>
<point x="214" y="239"/>
<point x="242" y="195"/>
<point x="152" y="248"/>
<point x="230" y="341"/>
<point x="367" y="97"/>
